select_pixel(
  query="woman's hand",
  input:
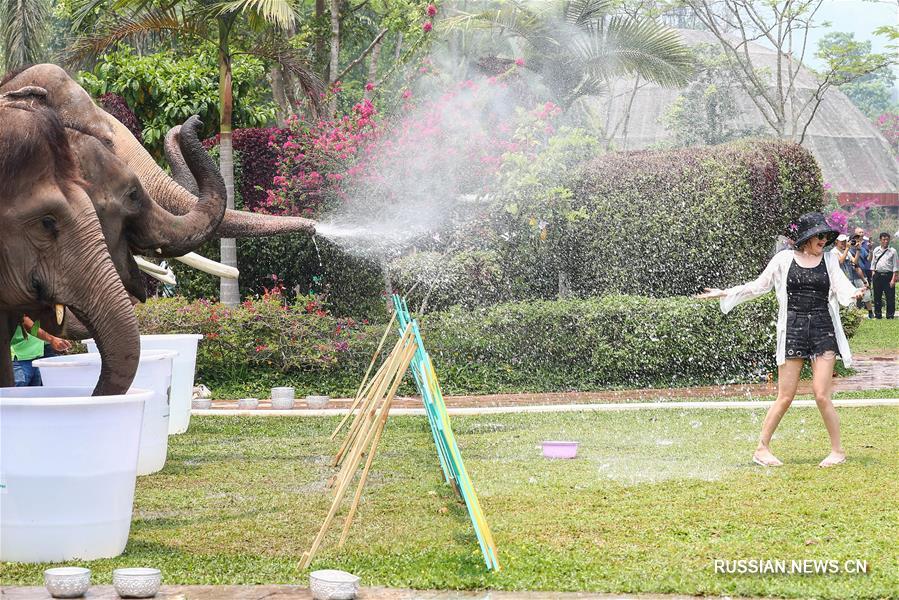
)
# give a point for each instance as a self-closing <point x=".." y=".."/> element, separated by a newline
<point x="861" y="292"/>
<point x="710" y="294"/>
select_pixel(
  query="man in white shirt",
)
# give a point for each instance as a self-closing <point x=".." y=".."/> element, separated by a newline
<point x="885" y="273"/>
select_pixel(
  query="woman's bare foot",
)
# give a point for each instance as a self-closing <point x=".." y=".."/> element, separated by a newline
<point x="833" y="459"/>
<point x="763" y="457"/>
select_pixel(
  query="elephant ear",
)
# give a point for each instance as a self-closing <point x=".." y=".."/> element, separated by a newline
<point x="29" y="91"/>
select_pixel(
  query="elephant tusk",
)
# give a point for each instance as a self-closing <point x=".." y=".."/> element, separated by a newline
<point x="60" y="313"/>
<point x="155" y="271"/>
<point x="206" y="265"/>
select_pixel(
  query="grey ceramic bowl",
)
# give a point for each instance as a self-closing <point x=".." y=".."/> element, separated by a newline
<point x="136" y="582"/>
<point x="317" y="401"/>
<point x="248" y="403"/>
<point x="332" y="584"/>
<point x="67" y="582"/>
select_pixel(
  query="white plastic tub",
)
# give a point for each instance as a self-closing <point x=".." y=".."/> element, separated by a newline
<point x="154" y="372"/>
<point x="68" y="464"/>
<point x="183" y="370"/>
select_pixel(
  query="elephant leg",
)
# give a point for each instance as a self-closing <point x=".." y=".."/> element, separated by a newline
<point x="6" y="376"/>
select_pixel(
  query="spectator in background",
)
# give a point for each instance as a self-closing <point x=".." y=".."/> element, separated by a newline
<point x="860" y="276"/>
<point x="27" y="344"/>
<point x="884" y="273"/>
<point x="864" y="259"/>
<point x="841" y="251"/>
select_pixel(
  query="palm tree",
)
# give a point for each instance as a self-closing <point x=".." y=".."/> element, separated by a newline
<point x="579" y="46"/>
<point x="216" y="21"/>
<point x="23" y="31"/>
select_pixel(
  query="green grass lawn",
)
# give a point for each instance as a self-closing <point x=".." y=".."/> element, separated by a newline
<point x="651" y="500"/>
<point x="876" y="335"/>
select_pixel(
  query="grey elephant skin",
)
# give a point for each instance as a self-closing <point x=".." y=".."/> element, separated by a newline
<point x="129" y="222"/>
<point x="78" y="111"/>
<point x="52" y="249"/>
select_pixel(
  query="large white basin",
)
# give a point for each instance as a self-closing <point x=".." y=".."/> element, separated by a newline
<point x="154" y="372"/>
<point x="183" y="370"/>
<point x="68" y="464"/>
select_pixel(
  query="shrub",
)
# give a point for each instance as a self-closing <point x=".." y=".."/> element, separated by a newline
<point x="115" y="105"/>
<point x="258" y="163"/>
<point x="646" y="223"/>
<point x="164" y="89"/>
<point x="264" y="342"/>
<point x="670" y="223"/>
<point x="614" y="341"/>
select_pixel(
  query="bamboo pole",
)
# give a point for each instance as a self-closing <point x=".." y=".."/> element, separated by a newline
<point x="376" y="393"/>
<point x="382" y="421"/>
<point x="374" y="358"/>
<point x="394" y="376"/>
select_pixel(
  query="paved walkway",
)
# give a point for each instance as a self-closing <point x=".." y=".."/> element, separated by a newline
<point x="873" y="372"/>
<point x="293" y="592"/>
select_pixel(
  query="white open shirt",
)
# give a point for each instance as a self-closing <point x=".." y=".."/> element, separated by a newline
<point x="775" y="277"/>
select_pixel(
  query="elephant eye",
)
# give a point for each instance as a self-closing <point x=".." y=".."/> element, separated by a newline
<point x="49" y="224"/>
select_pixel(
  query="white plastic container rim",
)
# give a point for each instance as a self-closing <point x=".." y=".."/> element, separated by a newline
<point x="67" y="396"/>
<point x="90" y="358"/>
<point x="160" y="336"/>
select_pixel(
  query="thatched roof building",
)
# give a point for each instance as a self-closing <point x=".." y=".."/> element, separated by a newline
<point x="854" y="157"/>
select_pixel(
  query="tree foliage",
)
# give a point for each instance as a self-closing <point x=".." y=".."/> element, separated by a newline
<point x="23" y="31"/>
<point x="164" y="89"/>
<point x="577" y="47"/>
<point x="707" y="113"/>
<point x="871" y="91"/>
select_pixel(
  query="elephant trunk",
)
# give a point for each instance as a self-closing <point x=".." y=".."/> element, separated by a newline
<point x="99" y="300"/>
<point x="181" y="173"/>
<point x="159" y="232"/>
<point x="179" y="201"/>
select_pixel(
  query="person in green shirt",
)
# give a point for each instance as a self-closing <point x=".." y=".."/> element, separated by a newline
<point x="27" y="344"/>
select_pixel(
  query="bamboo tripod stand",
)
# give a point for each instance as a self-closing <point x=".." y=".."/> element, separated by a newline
<point x="373" y="400"/>
<point x="371" y="407"/>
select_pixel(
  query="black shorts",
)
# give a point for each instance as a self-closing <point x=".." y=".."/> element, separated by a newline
<point x="810" y="334"/>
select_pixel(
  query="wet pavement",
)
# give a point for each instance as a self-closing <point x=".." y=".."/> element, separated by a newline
<point x="292" y="592"/>
<point x="872" y="372"/>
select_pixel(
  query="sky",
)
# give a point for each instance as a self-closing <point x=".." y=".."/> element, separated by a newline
<point x="854" y="16"/>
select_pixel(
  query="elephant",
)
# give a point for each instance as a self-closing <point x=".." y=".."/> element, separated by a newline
<point x="130" y="221"/>
<point x="52" y="249"/>
<point x="78" y="111"/>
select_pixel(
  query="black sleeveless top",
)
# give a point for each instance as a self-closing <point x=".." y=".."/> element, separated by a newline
<point x="808" y="289"/>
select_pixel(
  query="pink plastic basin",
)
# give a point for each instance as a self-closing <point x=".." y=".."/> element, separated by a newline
<point x="560" y="449"/>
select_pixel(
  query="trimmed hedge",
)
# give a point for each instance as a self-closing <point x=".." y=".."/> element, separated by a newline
<point x="671" y="223"/>
<point x="649" y="223"/>
<point x="609" y="342"/>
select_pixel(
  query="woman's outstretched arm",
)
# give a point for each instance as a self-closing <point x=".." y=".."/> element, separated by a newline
<point x="733" y="296"/>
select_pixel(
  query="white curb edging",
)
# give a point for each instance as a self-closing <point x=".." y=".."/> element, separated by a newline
<point x="548" y="408"/>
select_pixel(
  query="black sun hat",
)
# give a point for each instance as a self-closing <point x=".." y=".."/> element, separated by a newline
<point x="810" y="225"/>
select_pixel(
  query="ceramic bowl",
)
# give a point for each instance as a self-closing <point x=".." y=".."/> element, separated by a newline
<point x="332" y="584"/>
<point x="67" y="582"/>
<point x="282" y="398"/>
<point x="317" y="401"/>
<point x="136" y="582"/>
<point x="556" y="449"/>
<point x="201" y="403"/>
<point x="248" y="403"/>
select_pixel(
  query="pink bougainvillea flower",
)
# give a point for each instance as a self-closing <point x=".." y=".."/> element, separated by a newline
<point x="519" y="61"/>
<point x="427" y="26"/>
<point x="432" y="10"/>
<point x="794" y="227"/>
<point x="407" y="94"/>
<point x="369" y="86"/>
